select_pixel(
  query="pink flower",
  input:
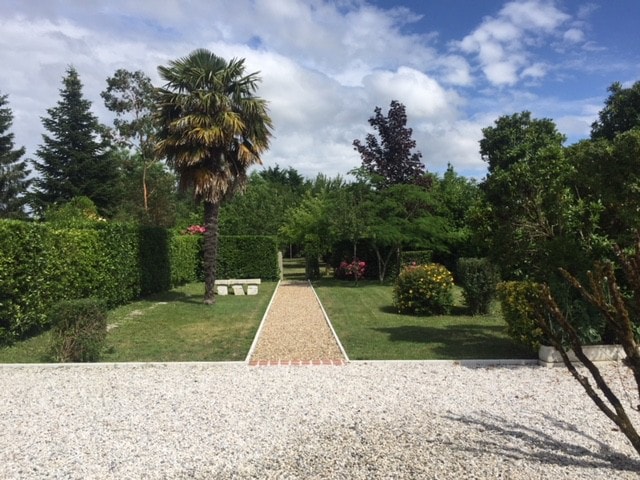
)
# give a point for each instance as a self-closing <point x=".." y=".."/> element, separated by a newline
<point x="195" y="230"/>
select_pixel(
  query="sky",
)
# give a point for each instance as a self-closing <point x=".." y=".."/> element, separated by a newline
<point x="456" y="65"/>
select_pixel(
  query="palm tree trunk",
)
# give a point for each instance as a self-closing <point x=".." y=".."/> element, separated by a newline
<point x="210" y="249"/>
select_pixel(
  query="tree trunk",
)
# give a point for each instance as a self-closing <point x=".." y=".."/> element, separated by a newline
<point x="382" y="262"/>
<point x="145" y="193"/>
<point x="210" y="250"/>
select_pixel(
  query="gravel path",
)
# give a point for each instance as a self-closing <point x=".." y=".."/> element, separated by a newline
<point x="382" y="420"/>
<point x="296" y="330"/>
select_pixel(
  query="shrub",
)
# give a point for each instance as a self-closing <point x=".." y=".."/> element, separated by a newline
<point x="185" y="255"/>
<point x="479" y="279"/>
<point x="423" y="289"/>
<point x="520" y="303"/>
<point x="79" y="330"/>
<point x="351" y="271"/>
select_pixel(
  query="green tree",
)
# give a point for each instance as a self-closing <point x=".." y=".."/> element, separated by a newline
<point x="130" y="95"/>
<point x="389" y="158"/>
<point x="527" y="196"/>
<point x="405" y="216"/>
<point x="75" y="158"/>
<point x="621" y="112"/>
<point x="607" y="181"/>
<point x="308" y="225"/>
<point x="260" y="210"/>
<point x="212" y="128"/>
<point x="14" y="173"/>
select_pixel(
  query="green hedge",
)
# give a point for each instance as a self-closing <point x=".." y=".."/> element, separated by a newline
<point x="248" y="256"/>
<point x="42" y="264"/>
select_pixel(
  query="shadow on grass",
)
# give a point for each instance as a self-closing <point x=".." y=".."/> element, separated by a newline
<point x="458" y="340"/>
<point x="456" y="311"/>
<point x="537" y="445"/>
<point x="173" y="296"/>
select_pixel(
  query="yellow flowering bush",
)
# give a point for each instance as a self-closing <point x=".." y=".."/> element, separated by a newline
<point x="423" y="289"/>
<point x="521" y="303"/>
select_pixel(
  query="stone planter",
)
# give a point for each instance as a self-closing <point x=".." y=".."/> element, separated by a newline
<point x="550" y="357"/>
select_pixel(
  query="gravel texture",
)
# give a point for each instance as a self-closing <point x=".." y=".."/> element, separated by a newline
<point x="400" y="420"/>
<point x="295" y="328"/>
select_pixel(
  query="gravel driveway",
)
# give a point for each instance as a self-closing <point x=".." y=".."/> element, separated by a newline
<point x="360" y="421"/>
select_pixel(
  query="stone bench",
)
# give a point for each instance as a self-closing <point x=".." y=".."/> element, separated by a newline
<point x="237" y="286"/>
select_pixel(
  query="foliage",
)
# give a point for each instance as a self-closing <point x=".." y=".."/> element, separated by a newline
<point x="479" y="279"/>
<point x="211" y="129"/>
<point x="423" y="289"/>
<point x="74" y="158"/>
<point x="529" y="212"/>
<point x="403" y="216"/>
<point x="415" y="257"/>
<point x="390" y="158"/>
<point x="155" y="263"/>
<point x="607" y="181"/>
<point x="14" y="173"/>
<point x="262" y="208"/>
<point x="77" y="212"/>
<point x="520" y="301"/>
<point x="79" y="330"/>
<point x="130" y="95"/>
<point x="185" y="258"/>
<point x="620" y="114"/>
<point x="246" y="256"/>
<point x="309" y="225"/>
<point x="149" y="193"/>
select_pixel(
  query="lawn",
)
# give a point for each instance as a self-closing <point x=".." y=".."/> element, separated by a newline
<point x="169" y="327"/>
<point x="371" y="329"/>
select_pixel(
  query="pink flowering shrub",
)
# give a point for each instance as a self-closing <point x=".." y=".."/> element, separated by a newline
<point x="195" y="230"/>
<point x="354" y="270"/>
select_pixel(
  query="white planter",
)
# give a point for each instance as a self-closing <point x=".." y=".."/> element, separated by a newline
<point x="550" y="357"/>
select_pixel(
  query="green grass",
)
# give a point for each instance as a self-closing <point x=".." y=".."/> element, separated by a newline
<point x="371" y="329"/>
<point x="169" y="327"/>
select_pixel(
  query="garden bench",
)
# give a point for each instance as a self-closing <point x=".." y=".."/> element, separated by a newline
<point x="237" y="286"/>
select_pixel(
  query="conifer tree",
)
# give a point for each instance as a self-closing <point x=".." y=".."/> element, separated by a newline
<point x="75" y="159"/>
<point x="14" y="174"/>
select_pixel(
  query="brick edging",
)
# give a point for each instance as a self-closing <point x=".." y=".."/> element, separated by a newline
<point x="296" y="363"/>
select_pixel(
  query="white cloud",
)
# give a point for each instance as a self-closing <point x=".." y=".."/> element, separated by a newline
<point x="325" y="65"/>
<point x="574" y="35"/>
<point x="502" y="43"/>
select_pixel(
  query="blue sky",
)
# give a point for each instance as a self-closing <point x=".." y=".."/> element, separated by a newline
<point x="457" y="65"/>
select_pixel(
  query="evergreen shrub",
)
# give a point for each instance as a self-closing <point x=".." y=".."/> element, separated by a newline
<point x="479" y="279"/>
<point x="423" y="289"/>
<point x="520" y="302"/>
<point x="79" y="330"/>
<point x="155" y="265"/>
<point x="185" y="252"/>
<point x="247" y="256"/>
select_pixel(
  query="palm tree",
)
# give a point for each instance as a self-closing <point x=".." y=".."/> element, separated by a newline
<point x="212" y="128"/>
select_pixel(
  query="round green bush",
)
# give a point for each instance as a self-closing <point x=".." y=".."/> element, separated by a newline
<point x="423" y="289"/>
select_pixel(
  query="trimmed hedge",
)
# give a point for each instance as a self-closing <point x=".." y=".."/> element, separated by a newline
<point x="479" y="279"/>
<point x="247" y="256"/>
<point x="42" y="264"/>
